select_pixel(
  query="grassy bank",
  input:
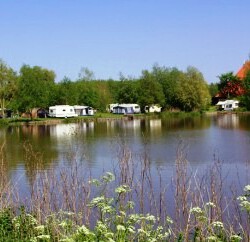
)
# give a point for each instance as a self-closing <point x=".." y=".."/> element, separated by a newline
<point x="131" y="203"/>
<point x="96" y="117"/>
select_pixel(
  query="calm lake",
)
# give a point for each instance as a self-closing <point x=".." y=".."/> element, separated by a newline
<point x="203" y="139"/>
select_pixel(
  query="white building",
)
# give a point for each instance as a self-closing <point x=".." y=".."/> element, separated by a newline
<point x="228" y="105"/>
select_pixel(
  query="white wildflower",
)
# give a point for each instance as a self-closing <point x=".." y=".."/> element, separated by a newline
<point x="242" y="198"/>
<point x="122" y="189"/>
<point x="247" y="188"/>
<point x="169" y="220"/>
<point x="210" y="204"/>
<point x="83" y="230"/>
<point x="196" y="210"/>
<point x="212" y="238"/>
<point x="120" y="227"/>
<point x="235" y="238"/>
<point x="131" y="229"/>
<point x="44" y="237"/>
<point x="150" y="218"/>
<point x="130" y="204"/>
<point x="218" y="224"/>
<point x="95" y="182"/>
<point x="108" y="177"/>
<point x="97" y="200"/>
<point x="40" y="229"/>
<point x="67" y="240"/>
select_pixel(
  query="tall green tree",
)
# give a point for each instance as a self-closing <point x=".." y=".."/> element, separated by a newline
<point x="8" y="85"/>
<point x="128" y="91"/>
<point x="193" y="93"/>
<point x="213" y="89"/>
<point x="104" y="95"/>
<point x="150" y="90"/>
<point x="89" y="94"/>
<point x="169" y="79"/>
<point x="113" y="87"/>
<point x="245" y="99"/>
<point x="67" y="92"/>
<point x="35" y="88"/>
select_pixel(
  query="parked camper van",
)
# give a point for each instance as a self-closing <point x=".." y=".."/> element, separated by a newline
<point x="62" y="111"/>
<point x="84" y="110"/>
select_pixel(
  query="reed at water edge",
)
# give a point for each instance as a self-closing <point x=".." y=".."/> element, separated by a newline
<point x="132" y="202"/>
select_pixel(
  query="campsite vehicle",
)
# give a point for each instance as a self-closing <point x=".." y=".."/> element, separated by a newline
<point x="152" y="109"/>
<point x="83" y="110"/>
<point x="111" y="106"/>
<point x="135" y="107"/>
<point x="126" y="108"/>
<point x="121" y="109"/>
<point x="42" y="113"/>
<point x="228" y="105"/>
<point x="62" y="111"/>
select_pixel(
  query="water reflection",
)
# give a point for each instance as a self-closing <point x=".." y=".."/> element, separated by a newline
<point x="228" y="121"/>
<point x="15" y="138"/>
<point x="96" y="144"/>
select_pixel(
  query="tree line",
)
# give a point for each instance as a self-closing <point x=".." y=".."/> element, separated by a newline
<point x="173" y="89"/>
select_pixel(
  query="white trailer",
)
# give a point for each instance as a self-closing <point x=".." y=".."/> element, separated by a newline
<point x="153" y="109"/>
<point x="62" y="111"/>
<point x="111" y="106"/>
<point x="126" y="108"/>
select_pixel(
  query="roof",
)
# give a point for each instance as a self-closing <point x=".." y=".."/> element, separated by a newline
<point x="227" y="102"/>
<point x="243" y="70"/>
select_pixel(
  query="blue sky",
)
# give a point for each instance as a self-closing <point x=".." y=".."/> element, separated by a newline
<point x="125" y="36"/>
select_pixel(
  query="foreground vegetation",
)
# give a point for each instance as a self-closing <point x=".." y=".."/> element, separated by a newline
<point x="135" y="204"/>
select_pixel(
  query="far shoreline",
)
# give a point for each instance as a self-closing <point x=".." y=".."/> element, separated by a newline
<point x="100" y="117"/>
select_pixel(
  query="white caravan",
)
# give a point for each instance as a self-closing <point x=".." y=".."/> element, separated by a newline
<point x="111" y="106"/>
<point x="126" y="108"/>
<point x="83" y="110"/>
<point x="135" y="107"/>
<point x="62" y="111"/>
<point x="152" y="109"/>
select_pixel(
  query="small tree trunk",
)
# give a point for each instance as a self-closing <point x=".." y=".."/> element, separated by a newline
<point x="2" y="105"/>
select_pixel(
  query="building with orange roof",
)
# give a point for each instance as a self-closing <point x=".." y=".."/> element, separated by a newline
<point x="241" y="74"/>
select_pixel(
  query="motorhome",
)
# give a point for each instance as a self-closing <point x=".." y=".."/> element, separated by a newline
<point x="83" y="110"/>
<point x="62" y="111"/>
<point x="228" y="105"/>
<point x="153" y="109"/>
